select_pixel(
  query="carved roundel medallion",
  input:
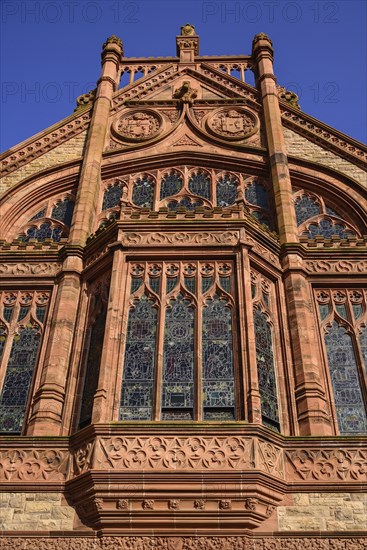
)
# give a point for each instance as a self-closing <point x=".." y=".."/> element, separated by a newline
<point x="233" y="124"/>
<point x="137" y="125"/>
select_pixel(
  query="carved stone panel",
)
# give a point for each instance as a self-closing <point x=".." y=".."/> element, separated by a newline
<point x="233" y="124"/>
<point x="137" y="125"/>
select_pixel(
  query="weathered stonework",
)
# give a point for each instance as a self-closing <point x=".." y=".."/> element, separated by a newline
<point x="35" y="512"/>
<point x="301" y="147"/>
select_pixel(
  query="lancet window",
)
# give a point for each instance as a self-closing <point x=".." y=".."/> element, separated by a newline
<point x="343" y="318"/>
<point x="98" y="295"/>
<point x="51" y="222"/>
<point x="179" y="362"/>
<point x="22" y="321"/>
<point x="265" y="357"/>
<point x="316" y="218"/>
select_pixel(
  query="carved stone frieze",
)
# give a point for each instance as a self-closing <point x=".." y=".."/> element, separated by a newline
<point x="181" y="238"/>
<point x="233" y="124"/>
<point x="185" y="543"/>
<point x="339" y="266"/>
<point x="43" y="268"/>
<point x="327" y="465"/>
<point x="27" y="465"/>
<point x="137" y="125"/>
<point x="186" y="140"/>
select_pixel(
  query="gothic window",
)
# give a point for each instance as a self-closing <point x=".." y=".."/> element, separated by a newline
<point x="226" y="190"/>
<point x="95" y="331"/>
<point x="343" y="315"/>
<point x="194" y="302"/>
<point x="315" y="218"/>
<point x="63" y="211"/>
<point x="264" y="352"/>
<point x="45" y="231"/>
<point x="257" y="195"/>
<point x="21" y="328"/>
<point x="112" y="196"/>
<point x="143" y="192"/>
<point x="171" y="184"/>
<point x="200" y="184"/>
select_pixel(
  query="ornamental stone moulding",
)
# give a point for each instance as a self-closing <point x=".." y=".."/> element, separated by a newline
<point x="234" y="124"/>
<point x="137" y="125"/>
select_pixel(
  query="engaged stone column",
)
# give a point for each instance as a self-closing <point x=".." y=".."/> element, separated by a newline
<point x="312" y="407"/>
<point x="48" y="404"/>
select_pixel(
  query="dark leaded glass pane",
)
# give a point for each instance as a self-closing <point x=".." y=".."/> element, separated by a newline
<point x="306" y="208"/>
<point x="218" y="376"/>
<point x="349" y="405"/>
<point x="112" y="196"/>
<point x="226" y="191"/>
<point x="7" y="312"/>
<point x="225" y="283"/>
<point x="154" y="284"/>
<point x="206" y="283"/>
<point x="266" y="370"/>
<point x="22" y="313"/>
<point x="324" y="311"/>
<point x="178" y="358"/>
<point x="138" y="379"/>
<point x="185" y="202"/>
<point x="199" y="184"/>
<point x="2" y="339"/>
<point x="171" y="184"/>
<point x="45" y="231"/>
<point x="357" y="310"/>
<point x="261" y="218"/>
<point x="341" y="310"/>
<point x="331" y="212"/>
<point x="257" y="194"/>
<point x="143" y="193"/>
<point x="170" y="284"/>
<point x="63" y="212"/>
<point x="363" y="343"/>
<point x="190" y="284"/>
<point x="326" y="229"/>
<point x="40" y="214"/>
<point x="93" y="364"/>
<point x="135" y="284"/>
<point x="18" y="377"/>
<point x="40" y="313"/>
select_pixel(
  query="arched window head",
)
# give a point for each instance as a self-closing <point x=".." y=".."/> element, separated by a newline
<point x="226" y="190"/>
<point x="143" y="192"/>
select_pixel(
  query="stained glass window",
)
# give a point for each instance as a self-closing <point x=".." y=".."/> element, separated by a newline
<point x="14" y="395"/>
<point x="93" y="362"/>
<point x="350" y="409"/>
<point x="63" y="212"/>
<point x="226" y="191"/>
<point x="266" y="370"/>
<point x="178" y="361"/>
<point x="199" y="184"/>
<point x="326" y="229"/>
<point x="257" y="194"/>
<point x="363" y="344"/>
<point x="112" y="196"/>
<point x="218" y="369"/>
<point x="40" y="234"/>
<point x="2" y="339"/>
<point x="306" y="208"/>
<point x="139" y="364"/>
<point x="143" y="193"/>
<point x="40" y="214"/>
<point x="171" y="184"/>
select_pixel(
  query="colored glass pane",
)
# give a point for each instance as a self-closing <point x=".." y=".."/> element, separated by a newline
<point x="257" y="194"/>
<point x="40" y="214"/>
<point x="363" y="344"/>
<point x="306" y="208"/>
<point x="326" y="229"/>
<point x="40" y="234"/>
<point x="18" y="377"/>
<point x="138" y="377"/>
<point x="226" y="191"/>
<point x="199" y="184"/>
<point x="266" y="370"/>
<point x="171" y="184"/>
<point x="350" y="409"/>
<point x="112" y="196"/>
<point x="143" y="193"/>
<point x="63" y="211"/>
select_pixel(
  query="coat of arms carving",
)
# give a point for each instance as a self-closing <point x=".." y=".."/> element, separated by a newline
<point x="233" y="123"/>
<point x="139" y="125"/>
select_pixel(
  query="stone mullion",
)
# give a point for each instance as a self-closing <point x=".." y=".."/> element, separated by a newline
<point x="108" y="385"/>
<point x="362" y="372"/>
<point x="158" y="378"/>
<point x="198" y="343"/>
<point x="247" y="324"/>
<point x="236" y="340"/>
<point x="12" y="327"/>
<point x="78" y="365"/>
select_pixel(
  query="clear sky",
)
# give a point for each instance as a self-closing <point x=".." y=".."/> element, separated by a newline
<point x="50" y="51"/>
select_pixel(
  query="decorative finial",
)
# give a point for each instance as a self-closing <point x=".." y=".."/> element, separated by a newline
<point x="261" y="36"/>
<point x="188" y="30"/>
<point x="288" y="96"/>
<point x="114" y="40"/>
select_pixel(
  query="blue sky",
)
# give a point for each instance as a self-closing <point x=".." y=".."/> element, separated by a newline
<point x="50" y="51"/>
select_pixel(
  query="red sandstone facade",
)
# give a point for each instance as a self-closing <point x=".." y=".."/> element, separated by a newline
<point x="74" y="477"/>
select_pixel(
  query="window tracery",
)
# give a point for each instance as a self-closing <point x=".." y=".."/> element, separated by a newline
<point x="343" y="317"/>
<point x="95" y="332"/>
<point x="194" y="300"/>
<point x="265" y="359"/>
<point x="316" y="218"/>
<point x="22" y="318"/>
<point x="51" y="222"/>
<point x="112" y="196"/>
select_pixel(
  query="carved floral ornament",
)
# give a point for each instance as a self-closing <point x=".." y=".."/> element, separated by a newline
<point x="137" y="125"/>
<point x="232" y="124"/>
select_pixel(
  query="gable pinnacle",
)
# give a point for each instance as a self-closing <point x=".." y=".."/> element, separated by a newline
<point x="114" y="40"/>
<point x="188" y="30"/>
